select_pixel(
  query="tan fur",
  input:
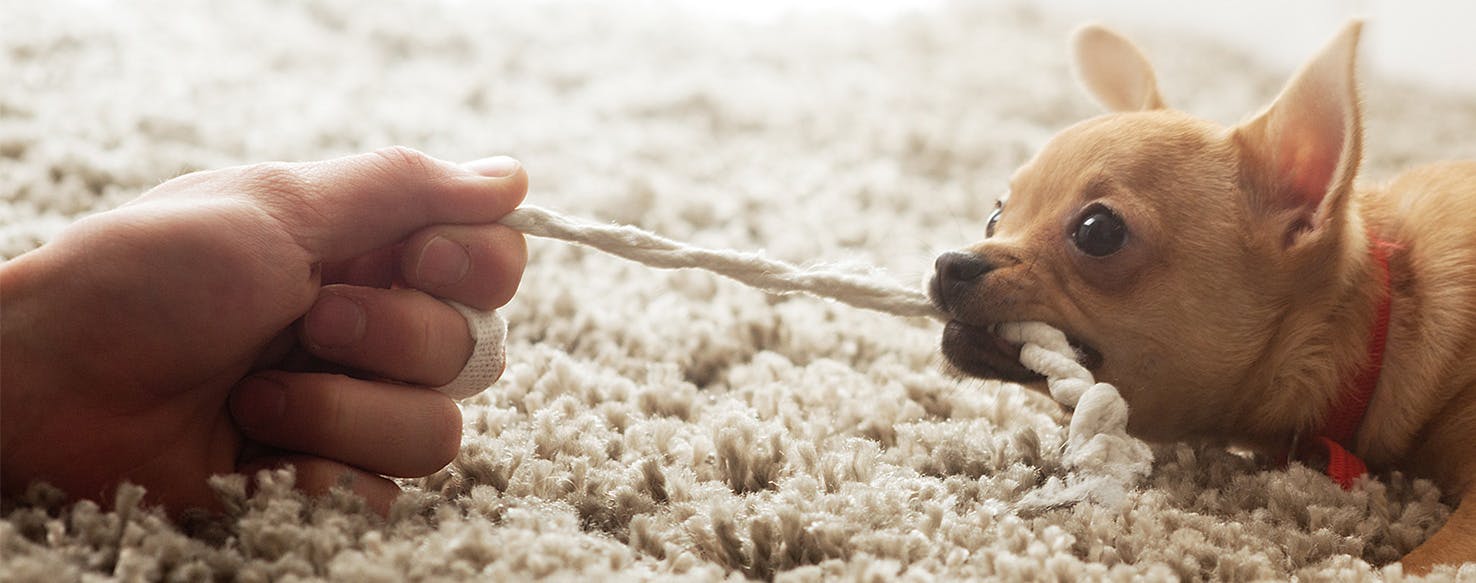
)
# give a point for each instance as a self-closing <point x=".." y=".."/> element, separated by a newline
<point x="1245" y="293"/>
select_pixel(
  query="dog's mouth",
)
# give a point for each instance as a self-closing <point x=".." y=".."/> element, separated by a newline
<point x="977" y="351"/>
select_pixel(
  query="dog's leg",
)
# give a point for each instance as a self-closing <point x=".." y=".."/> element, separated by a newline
<point x="1453" y="544"/>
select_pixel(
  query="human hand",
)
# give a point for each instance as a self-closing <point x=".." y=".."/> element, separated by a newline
<point x="204" y="327"/>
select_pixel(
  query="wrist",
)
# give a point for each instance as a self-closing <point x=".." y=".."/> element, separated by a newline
<point x="27" y="364"/>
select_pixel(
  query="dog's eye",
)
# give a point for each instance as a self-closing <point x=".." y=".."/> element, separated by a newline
<point x="993" y="220"/>
<point x="1100" y="232"/>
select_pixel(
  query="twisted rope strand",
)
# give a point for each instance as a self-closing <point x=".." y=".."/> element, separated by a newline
<point x="752" y="269"/>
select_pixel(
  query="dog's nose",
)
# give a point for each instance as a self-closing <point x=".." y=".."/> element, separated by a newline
<point x="955" y="275"/>
<point x="959" y="267"/>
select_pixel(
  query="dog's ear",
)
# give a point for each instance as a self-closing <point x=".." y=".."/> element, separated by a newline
<point x="1114" y="70"/>
<point x="1301" y="154"/>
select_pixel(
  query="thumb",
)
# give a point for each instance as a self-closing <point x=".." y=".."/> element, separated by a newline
<point x="341" y="208"/>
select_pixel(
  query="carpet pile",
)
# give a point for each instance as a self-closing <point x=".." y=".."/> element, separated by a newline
<point x="672" y="424"/>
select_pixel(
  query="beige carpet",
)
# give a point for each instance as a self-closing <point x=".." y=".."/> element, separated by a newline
<point x="673" y="425"/>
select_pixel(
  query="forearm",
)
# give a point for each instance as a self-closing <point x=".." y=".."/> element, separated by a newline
<point x="48" y="351"/>
<point x="25" y="360"/>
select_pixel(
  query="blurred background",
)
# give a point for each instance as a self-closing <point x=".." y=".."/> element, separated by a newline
<point x="678" y="115"/>
<point x="1421" y="41"/>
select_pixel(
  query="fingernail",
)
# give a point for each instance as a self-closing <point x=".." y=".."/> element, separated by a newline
<point x="494" y="167"/>
<point x="442" y="262"/>
<point x="258" y="402"/>
<point x="334" y="321"/>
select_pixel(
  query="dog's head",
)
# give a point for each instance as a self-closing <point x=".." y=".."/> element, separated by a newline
<point x="1168" y="248"/>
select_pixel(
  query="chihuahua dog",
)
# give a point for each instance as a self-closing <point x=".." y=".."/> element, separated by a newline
<point x="1237" y="284"/>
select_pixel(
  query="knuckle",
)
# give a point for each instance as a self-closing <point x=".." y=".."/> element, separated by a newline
<point x="276" y="179"/>
<point x="287" y="193"/>
<point x="189" y="180"/>
<point x="402" y="160"/>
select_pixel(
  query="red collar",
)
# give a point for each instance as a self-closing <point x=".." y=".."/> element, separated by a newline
<point x="1335" y="439"/>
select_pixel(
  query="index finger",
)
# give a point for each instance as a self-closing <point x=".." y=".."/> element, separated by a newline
<point x="337" y="209"/>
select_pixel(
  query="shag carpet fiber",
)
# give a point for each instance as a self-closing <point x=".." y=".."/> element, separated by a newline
<point x="675" y="425"/>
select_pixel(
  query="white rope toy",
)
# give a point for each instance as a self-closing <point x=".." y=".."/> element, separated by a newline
<point x="1107" y="460"/>
<point x="489" y="334"/>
